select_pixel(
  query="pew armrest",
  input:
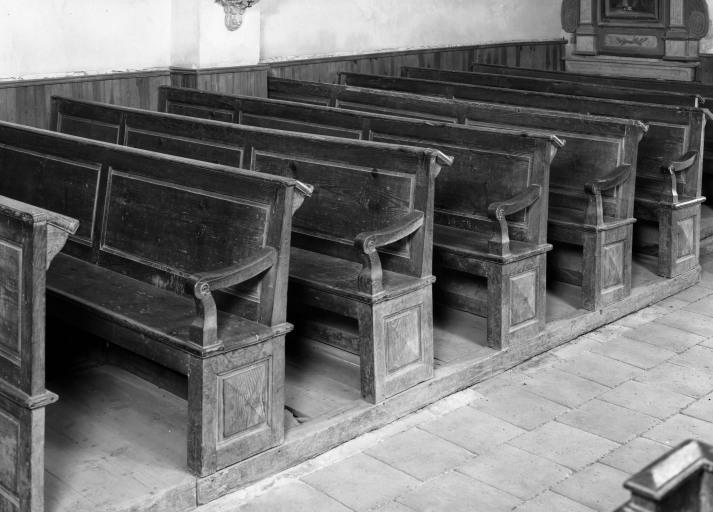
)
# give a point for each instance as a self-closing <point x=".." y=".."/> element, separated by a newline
<point x="673" y="169"/>
<point x="367" y="243"/>
<point x="204" y="330"/>
<point x="594" y="213"/>
<point x="500" y="242"/>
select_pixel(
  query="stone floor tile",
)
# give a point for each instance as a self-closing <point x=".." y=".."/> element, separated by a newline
<point x="472" y="429"/>
<point x="680" y="379"/>
<point x="694" y="293"/>
<point x="598" y="487"/>
<point x="665" y="336"/>
<point x="552" y="502"/>
<point x="361" y="482"/>
<point x="516" y="471"/>
<point x="701" y="409"/>
<point x="607" y="420"/>
<point x="635" y="456"/>
<point x="651" y="400"/>
<point x="641" y="317"/>
<point x="392" y="506"/>
<point x="679" y="428"/>
<point x="519" y="407"/>
<point x="565" y="445"/>
<point x="455" y="492"/>
<point x="689" y="321"/>
<point x="636" y="353"/>
<point x="615" y="330"/>
<point x="295" y="496"/>
<point x="600" y="369"/>
<point x="564" y="388"/>
<point x="703" y="306"/>
<point x="577" y="347"/>
<point x="672" y="304"/>
<point x="512" y="378"/>
<point x="420" y="454"/>
<point x="696" y="357"/>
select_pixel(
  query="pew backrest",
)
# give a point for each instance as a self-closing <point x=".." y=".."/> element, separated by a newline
<point x="490" y="164"/>
<point x="594" y="143"/>
<point x="358" y="186"/>
<point x="558" y="86"/>
<point x="675" y="131"/>
<point x="153" y="217"/>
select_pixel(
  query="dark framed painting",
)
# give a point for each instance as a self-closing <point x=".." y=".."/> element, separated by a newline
<point x="632" y="9"/>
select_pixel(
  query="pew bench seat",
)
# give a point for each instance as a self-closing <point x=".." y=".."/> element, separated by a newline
<point x="149" y="313"/>
<point x="339" y="276"/>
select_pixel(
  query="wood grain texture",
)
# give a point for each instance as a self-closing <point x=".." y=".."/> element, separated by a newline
<point x="161" y="223"/>
<point x="492" y="167"/>
<point x="587" y="200"/>
<point x="667" y="125"/>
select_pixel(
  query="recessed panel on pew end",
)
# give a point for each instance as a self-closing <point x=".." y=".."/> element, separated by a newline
<point x="29" y="239"/>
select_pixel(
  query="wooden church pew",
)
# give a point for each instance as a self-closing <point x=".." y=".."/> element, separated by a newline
<point x="160" y="239"/>
<point x="660" y="86"/>
<point x="30" y="238"/>
<point x="360" y="270"/>
<point x="557" y="86"/>
<point x="598" y="221"/>
<point x="669" y="168"/>
<point x="492" y="169"/>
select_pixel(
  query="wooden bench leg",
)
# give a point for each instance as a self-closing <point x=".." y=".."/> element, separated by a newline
<point x="396" y="344"/>
<point x="22" y="455"/>
<point x="235" y="405"/>
<point x="516" y="301"/>
<point x="679" y="239"/>
<point x="606" y="266"/>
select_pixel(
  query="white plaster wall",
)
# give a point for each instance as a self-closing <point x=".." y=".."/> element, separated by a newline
<point x="48" y="37"/>
<point x="306" y="28"/>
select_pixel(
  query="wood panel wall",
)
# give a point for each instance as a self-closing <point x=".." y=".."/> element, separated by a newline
<point x="546" y="55"/>
<point x="28" y="101"/>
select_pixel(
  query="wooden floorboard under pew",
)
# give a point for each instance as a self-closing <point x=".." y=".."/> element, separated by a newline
<point x="360" y="267"/>
<point x="669" y="168"/>
<point x="668" y="86"/>
<point x="30" y="238"/>
<point x="180" y="261"/>
<point x="496" y="271"/>
<point x="592" y="224"/>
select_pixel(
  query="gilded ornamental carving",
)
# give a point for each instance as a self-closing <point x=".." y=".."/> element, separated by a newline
<point x="234" y="11"/>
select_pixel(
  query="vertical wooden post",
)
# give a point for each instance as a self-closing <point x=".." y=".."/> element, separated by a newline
<point x="29" y="238"/>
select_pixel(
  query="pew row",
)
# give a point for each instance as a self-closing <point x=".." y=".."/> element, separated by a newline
<point x="360" y="271"/>
<point x="490" y="205"/>
<point x="669" y="168"/>
<point x="592" y="223"/>
<point x="665" y="86"/>
<point x="557" y="86"/>
<point x="30" y="238"/>
<point x="182" y="262"/>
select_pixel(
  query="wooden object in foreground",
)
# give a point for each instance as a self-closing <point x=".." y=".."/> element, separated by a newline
<point x="180" y="261"/>
<point x="30" y="237"/>
<point x="495" y="172"/>
<point x="669" y="167"/>
<point x="591" y="180"/>
<point x="360" y="267"/>
<point x="681" y="481"/>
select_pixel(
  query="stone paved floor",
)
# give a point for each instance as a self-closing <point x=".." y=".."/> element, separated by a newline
<point x="559" y="433"/>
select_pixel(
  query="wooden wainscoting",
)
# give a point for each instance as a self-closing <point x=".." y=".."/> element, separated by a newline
<point x="533" y="54"/>
<point x="28" y="101"/>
